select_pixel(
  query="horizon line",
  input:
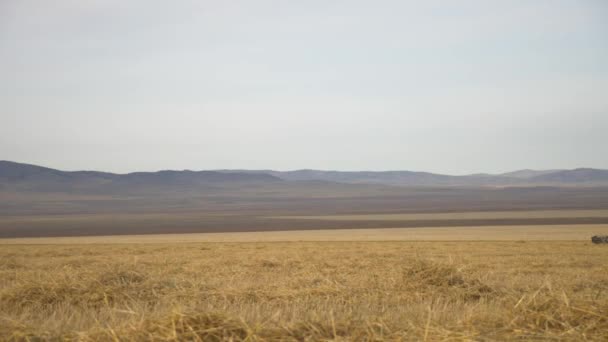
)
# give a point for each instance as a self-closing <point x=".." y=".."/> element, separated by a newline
<point x="307" y="169"/>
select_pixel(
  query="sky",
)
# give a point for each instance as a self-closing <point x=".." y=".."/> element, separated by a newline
<point x="451" y="87"/>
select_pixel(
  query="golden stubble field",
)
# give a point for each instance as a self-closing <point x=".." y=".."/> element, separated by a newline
<point x="336" y="290"/>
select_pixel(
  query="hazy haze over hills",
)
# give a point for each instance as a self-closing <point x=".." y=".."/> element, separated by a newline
<point x="41" y="178"/>
<point x="527" y="173"/>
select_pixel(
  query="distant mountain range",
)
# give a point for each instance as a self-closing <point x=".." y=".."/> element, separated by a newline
<point x="582" y="176"/>
<point x="36" y="178"/>
<point x="19" y="176"/>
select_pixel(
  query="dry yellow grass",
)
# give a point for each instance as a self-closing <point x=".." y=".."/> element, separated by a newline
<point x="400" y="290"/>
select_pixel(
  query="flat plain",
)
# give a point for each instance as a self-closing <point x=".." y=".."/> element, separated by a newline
<point x="281" y="207"/>
<point x="383" y="264"/>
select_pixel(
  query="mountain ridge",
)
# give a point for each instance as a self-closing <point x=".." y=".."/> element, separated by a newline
<point x="40" y="176"/>
<point x="33" y="177"/>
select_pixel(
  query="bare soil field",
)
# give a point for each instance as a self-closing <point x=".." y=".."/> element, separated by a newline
<point x="188" y="222"/>
<point x="248" y="209"/>
<point x="269" y="291"/>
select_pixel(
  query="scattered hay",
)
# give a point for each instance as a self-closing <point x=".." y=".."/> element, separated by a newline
<point x="547" y="312"/>
<point x="121" y="278"/>
<point x="439" y="278"/>
<point x="110" y="287"/>
<point x="186" y="327"/>
<point x="45" y="295"/>
<point x="216" y="327"/>
<point x="270" y="263"/>
<point x="12" y="331"/>
<point x="10" y="263"/>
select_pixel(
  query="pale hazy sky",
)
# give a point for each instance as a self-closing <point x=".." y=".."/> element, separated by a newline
<point x="443" y="86"/>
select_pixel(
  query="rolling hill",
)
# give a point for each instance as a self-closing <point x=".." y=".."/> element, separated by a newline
<point x="582" y="177"/>
<point x="18" y="176"/>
